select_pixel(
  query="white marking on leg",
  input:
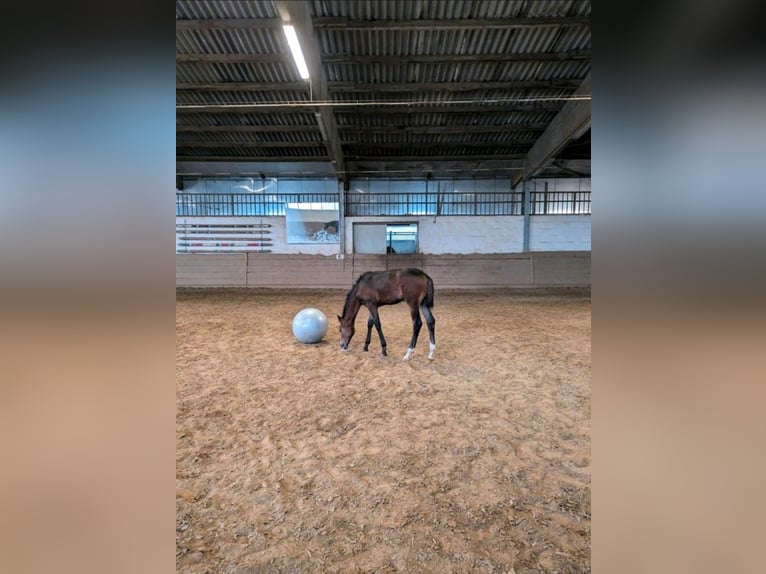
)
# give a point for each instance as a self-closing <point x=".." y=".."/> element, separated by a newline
<point x="431" y="349"/>
<point x="408" y="354"/>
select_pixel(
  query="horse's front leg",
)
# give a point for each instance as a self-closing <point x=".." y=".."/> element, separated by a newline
<point x="370" y="323"/>
<point x="376" y="321"/>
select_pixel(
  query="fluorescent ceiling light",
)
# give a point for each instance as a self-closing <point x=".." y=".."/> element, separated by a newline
<point x="295" y="47"/>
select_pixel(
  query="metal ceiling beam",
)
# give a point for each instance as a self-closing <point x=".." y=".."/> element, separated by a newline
<point x="419" y="129"/>
<point x="256" y="168"/>
<point x="449" y="86"/>
<point x="264" y="108"/>
<point x="373" y="108"/>
<point x="437" y="167"/>
<point x="447" y="108"/>
<point x="422" y="158"/>
<point x="387" y="59"/>
<point x="253" y="158"/>
<point x="442" y="146"/>
<point x="575" y="167"/>
<point x="462" y="129"/>
<point x="570" y="123"/>
<point x="454" y="58"/>
<point x="247" y="144"/>
<point x="230" y="23"/>
<point x="244" y="129"/>
<point x="377" y="86"/>
<point x="236" y="58"/>
<point x="342" y="23"/>
<point x="299" y="15"/>
<point x="244" y="87"/>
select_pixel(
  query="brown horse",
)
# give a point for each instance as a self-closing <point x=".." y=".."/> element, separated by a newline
<point x="377" y="288"/>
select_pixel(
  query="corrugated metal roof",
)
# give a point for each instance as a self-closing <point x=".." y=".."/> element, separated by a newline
<point x="416" y="9"/>
<point x="207" y="72"/>
<point x="244" y="119"/>
<point x="215" y="9"/>
<point x="465" y="70"/>
<point x="452" y="42"/>
<point x="200" y="97"/>
<point x="231" y="41"/>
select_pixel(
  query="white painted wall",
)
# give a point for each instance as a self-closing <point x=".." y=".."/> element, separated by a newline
<point x="493" y="234"/>
<point x="559" y="233"/>
<point x="451" y="235"/>
<point x="456" y="235"/>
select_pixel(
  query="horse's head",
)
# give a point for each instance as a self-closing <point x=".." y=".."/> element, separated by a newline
<point x="346" y="332"/>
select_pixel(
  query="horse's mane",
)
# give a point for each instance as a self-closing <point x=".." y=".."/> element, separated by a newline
<point x="352" y="291"/>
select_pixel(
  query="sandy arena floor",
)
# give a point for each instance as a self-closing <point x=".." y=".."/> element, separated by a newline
<point x="300" y="458"/>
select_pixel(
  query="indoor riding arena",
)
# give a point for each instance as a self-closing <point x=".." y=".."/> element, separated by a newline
<point x="449" y="137"/>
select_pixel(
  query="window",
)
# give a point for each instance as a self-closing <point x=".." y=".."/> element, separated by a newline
<point x="402" y="238"/>
<point x="390" y="238"/>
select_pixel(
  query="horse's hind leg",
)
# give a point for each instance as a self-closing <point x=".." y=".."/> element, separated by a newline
<point x="417" y="323"/>
<point x="370" y="323"/>
<point x="431" y="323"/>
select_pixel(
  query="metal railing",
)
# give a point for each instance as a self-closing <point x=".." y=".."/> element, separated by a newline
<point x="479" y="203"/>
<point x="239" y="204"/>
<point x="559" y="203"/>
<point x="387" y="204"/>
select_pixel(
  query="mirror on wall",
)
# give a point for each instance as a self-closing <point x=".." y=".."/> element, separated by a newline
<point x="312" y="222"/>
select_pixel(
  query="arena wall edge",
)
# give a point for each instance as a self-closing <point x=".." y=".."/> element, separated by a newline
<point x="517" y="270"/>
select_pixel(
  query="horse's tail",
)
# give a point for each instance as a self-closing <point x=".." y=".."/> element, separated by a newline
<point x="428" y="301"/>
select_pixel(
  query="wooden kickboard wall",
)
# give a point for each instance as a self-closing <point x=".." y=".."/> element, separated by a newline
<point x="536" y="269"/>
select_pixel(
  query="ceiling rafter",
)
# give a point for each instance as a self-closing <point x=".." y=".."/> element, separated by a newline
<point x="388" y="59"/>
<point x="569" y="123"/>
<point x="243" y="86"/>
<point x="299" y="15"/>
<point x="248" y="144"/>
<point x="454" y="58"/>
<point x="373" y="107"/>
<point x="451" y="86"/>
<point x="245" y="129"/>
<point x="459" y="129"/>
<point x="342" y="23"/>
<point x="252" y="158"/>
<point x="473" y="157"/>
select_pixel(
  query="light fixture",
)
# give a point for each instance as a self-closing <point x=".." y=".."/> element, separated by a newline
<point x="295" y="48"/>
<point x="318" y="116"/>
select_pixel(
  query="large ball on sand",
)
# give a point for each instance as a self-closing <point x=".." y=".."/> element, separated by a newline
<point x="309" y="325"/>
